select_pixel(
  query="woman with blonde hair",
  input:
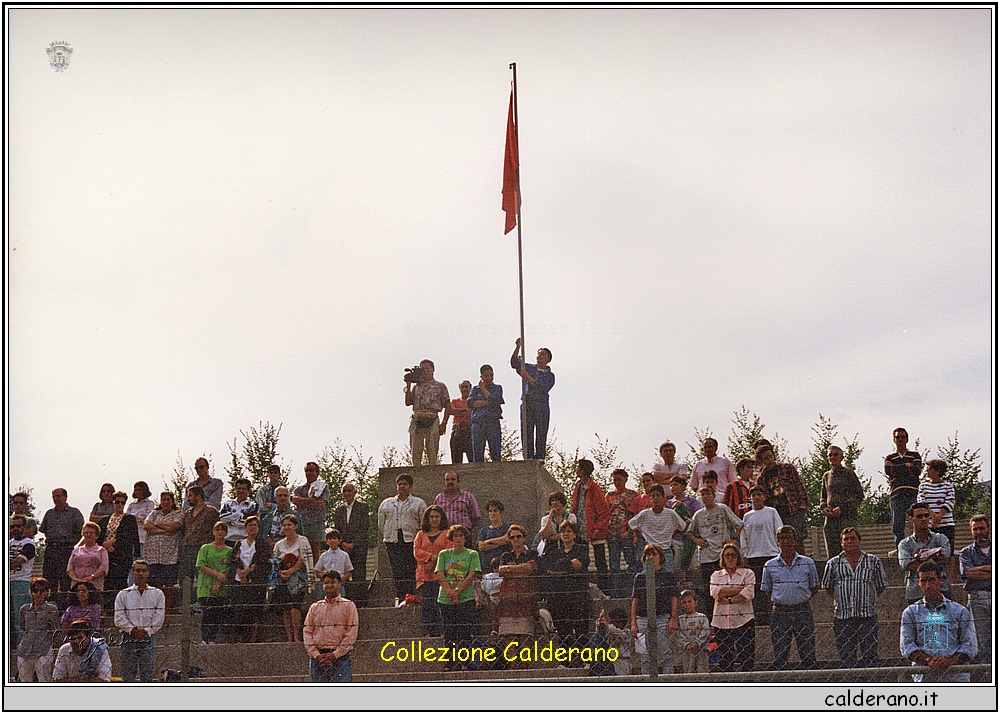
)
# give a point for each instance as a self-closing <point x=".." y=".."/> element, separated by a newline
<point x="89" y="562"/>
<point x="731" y="586"/>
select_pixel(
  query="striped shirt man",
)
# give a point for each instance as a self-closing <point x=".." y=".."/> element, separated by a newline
<point x="854" y="589"/>
<point x="462" y="508"/>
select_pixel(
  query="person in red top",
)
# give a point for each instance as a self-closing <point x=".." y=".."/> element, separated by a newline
<point x="593" y="516"/>
<point x="643" y="501"/>
<point x="621" y="540"/>
<point x="738" y="492"/>
<point x="461" y="425"/>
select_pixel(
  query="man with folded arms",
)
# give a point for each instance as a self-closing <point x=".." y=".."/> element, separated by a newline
<point x="331" y="628"/>
<point x="976" y="565"/>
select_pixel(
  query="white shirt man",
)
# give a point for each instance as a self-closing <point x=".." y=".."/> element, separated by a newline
<point x="139" y="612"/>
<point x="722" y="466"/>
<point x="398" y="522"/>
<point x="760" y="527"/>
<point x="662" y="473"/>
<point x="658" y="524"/>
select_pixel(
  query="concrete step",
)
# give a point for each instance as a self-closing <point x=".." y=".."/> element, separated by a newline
<point x="470" y="676"/>
<point x="277" y="661"/>
<point x="385" y="622"/>
<point x="284" y="661"/>
<point x="273" y="660"/>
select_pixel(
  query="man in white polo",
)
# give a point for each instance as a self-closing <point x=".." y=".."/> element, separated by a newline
<point x="139" y="612"/>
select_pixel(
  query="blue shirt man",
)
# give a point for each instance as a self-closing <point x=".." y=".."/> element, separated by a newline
<point x="791" y="580"/>
<point x="936" y="632"/>
<point x="538" y="381"/>
<point x="485" y="402"/>
<point x="920" y="546"/>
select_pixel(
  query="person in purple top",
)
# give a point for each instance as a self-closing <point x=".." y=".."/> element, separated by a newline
<point x="459" y="505"/>
<point x="486" y="402"/>
<point x="539" y="380"/>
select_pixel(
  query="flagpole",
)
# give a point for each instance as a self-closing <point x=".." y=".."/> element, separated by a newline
<point x="520" y="268"/>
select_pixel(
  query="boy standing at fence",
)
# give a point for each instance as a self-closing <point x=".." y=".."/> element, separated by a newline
<point x="690" y="640"/>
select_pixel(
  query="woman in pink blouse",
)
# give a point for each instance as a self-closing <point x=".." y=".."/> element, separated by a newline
<point x="731" y="587"/>
<point x="89" y="561"/>
<point x="431" y="539"/>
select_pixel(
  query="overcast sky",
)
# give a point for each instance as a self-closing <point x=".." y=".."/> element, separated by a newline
<point x="222" y="217"/>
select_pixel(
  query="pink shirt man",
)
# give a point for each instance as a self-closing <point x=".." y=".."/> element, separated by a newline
<point x="722" y="466"/>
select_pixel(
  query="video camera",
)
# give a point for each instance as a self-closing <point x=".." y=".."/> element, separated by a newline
<point x="413" y="375"/>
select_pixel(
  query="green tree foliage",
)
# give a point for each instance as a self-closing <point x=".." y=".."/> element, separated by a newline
<point x="605" y="458"/>
<point x="561" y="464"/>
<point x="747" y="429"/>
<point x="510" y="442"/>
<point x="181" y="476"/>
<point x="259" y="450"/>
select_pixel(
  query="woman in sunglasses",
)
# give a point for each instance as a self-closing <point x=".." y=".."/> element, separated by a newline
<point x="39" y="622"/>
<point x="518" y="596"/>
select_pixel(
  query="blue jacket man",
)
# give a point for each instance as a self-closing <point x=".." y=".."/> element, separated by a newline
<point x="538" y="381"/>
<point x="485" y="402"/>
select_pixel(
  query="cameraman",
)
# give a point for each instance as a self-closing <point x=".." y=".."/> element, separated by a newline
<point x="427" y="397"/>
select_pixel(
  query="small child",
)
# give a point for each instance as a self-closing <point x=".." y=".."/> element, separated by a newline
<point x="939" y="495"/>
<point x="620" y="638"/>
<point x="333" y="559"/>
<point x="691" y="637"/>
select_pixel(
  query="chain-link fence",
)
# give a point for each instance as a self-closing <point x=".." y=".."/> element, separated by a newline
<point x="560" y="626"/>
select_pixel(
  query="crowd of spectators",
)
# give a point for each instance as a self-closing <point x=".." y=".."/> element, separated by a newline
<point x="745" y="530"/>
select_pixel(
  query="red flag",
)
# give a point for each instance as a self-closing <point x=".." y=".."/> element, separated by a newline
<point x="511" y="191"/>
